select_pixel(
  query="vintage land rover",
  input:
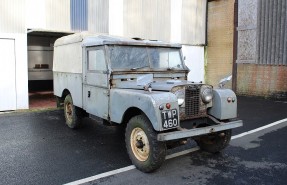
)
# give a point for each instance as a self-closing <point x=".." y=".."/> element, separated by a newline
<point x="141" y="84"/>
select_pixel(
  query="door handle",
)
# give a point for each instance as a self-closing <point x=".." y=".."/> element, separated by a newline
<point x="89" y="94"/>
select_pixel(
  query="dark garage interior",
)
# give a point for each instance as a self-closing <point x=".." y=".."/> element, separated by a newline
<point x="40" y="64"/>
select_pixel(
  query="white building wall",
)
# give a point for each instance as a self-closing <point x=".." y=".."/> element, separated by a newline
<point x="21" y="74"/>
<point x="13" y="27"/>
<point x="193" y="22"/>
<point x="36" y="13"/>
<point x="21" y="71"/>
<point x="175" y="20"/>
<point x="7" y="75"/>
<point x="148" y="19"/>
<point x="12" y="16"/>
<point x="194" y="60"/>
<point x="58" y="15"/>
<point x="194" y="55"/>
<point x="116" y="17"/>
<point x="98" y="16"/>
<point x="48" y="14"/>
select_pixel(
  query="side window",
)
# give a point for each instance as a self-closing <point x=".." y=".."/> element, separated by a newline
<point x="96" y="60"/>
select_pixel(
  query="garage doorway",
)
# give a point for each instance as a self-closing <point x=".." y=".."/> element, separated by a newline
<point x="40" y="65"/>
<point x="7" y="75"/>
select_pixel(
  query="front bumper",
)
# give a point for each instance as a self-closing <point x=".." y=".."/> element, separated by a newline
<point x="199" y="131"/>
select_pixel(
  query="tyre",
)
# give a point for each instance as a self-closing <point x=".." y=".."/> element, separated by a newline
<point x="214" y="143"/>
<point x="73" y="114"/>
<point x="144" y="150"/>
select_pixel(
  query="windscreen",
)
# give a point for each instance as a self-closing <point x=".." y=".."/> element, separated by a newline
<point x="139" y="57"/>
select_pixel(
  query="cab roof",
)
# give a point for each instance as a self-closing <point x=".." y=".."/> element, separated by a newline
<point x="92" y="39"/>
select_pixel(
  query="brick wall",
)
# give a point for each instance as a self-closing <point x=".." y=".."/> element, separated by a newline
<point x="262" y="80"/>
<point x="219" y="51"/>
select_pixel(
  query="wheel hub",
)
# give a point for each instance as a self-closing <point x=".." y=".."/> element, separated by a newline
<point x="139" y="144"/>
<point x="69" y="111"/>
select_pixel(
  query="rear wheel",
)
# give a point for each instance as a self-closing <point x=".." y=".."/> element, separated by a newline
<point x="73" y="114"/>
<point x="215" y="142"/>
<point x="144" y="150"/>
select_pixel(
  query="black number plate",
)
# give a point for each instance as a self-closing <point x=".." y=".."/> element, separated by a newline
<point x="169" y="118"/>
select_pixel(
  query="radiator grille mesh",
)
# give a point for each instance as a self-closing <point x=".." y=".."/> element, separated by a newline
<point x="192" y="101"/>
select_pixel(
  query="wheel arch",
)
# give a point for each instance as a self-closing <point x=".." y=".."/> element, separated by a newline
<point x="65" y="93"/>
<point x="77" y="98"/>
<point x="134" y="111"/>
<point x="60" y="99"/>
<point x="131" y="112"/>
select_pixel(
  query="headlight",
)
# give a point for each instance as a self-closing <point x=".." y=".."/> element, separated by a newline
<point x="206" y="94"/>
<point x="180" y="96"/>
<point x="180" y="101"/>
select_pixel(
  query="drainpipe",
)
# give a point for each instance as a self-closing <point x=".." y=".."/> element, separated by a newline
<point x="235" y="44"/>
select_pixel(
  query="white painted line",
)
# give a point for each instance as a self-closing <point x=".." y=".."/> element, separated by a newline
<point x="259" y="129"/>
<point x="281" y="101"/>
<point x="131" y="167"/>
<point x="182" y="153"/>
<point x="102" y="175"/>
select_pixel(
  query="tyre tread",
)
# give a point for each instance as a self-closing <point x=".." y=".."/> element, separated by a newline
<point x="158" y="148"/>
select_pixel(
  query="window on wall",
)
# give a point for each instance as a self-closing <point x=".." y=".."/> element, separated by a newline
<point x="79" y="15"/>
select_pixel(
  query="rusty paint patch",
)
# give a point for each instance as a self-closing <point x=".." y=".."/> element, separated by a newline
<point x="262" y="80"/>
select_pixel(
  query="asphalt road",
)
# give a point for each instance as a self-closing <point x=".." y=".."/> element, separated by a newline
<point x="38" y="148"/>
<point x="256" y="159"/>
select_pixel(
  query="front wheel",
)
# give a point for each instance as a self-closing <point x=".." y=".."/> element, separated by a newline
<point x="144" y="150"/>
<point x="215" y="142"/>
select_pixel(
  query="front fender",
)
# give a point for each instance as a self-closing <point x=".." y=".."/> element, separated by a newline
<point x="221" y="108"/>
<point x="148" y="102"/>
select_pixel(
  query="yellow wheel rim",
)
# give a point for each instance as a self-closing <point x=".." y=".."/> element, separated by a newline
<point x="69" y="111"/>
<point x="139" y="144"/>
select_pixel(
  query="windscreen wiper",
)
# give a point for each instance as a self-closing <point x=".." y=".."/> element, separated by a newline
<point x="134" y="68"/>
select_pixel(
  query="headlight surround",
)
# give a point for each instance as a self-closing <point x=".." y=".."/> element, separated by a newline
<point x="180" y="94"/>
<point x="206" y="94"/>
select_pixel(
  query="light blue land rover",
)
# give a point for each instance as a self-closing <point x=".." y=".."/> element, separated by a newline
<point x="142" y="85"/>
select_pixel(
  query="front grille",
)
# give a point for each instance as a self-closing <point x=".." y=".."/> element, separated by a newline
<point x="192" y="101"/>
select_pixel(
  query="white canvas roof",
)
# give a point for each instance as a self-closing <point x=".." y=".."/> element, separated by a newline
<point x="91" y="39"/>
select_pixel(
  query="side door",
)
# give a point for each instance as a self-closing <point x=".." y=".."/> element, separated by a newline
<point x="96" y="82"/>
<point x="7" y="75"/>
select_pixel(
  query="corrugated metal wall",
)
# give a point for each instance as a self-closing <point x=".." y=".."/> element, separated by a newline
<point x="13" y="16"/>
<point x="98" y="16"/>
<point x="148" y="19"/>
<point x="151" y="19"/>
<point x="48" y="14"/>
<point x="193" y="22"/>
<point x="58" y="14"/>
<point x="79" y="15"/>
<point x="272" y="32"/>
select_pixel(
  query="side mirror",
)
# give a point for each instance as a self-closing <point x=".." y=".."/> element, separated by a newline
<point x="223" y="81"/>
